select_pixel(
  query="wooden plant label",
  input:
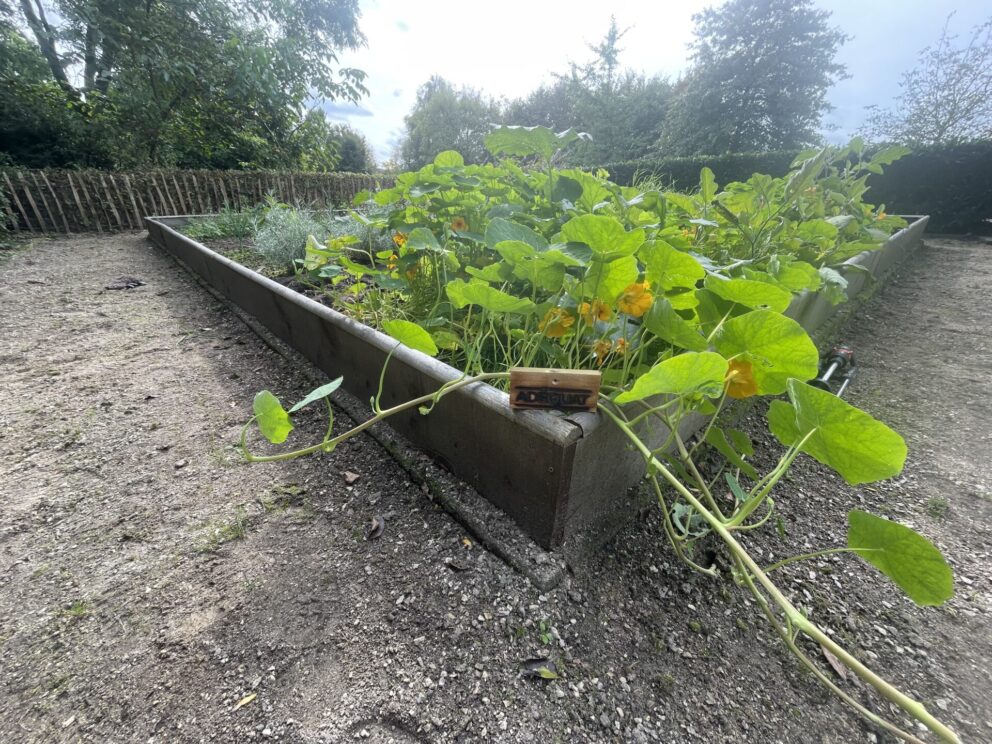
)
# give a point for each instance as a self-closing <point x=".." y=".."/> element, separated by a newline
<point x="566" y="389"/>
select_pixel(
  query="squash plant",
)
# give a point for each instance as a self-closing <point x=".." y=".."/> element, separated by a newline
<point x="681" y="301"/>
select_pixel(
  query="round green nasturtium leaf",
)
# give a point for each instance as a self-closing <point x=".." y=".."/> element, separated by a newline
<point x="449" y="159"/>
<point x="499" y="230"/>
<point x="526" y="141"/>
<point x="604" y="235"/>
<point x="322" y="392"/>
<point x="412" y="335"/>
<point x="446" y="340"/>
<point x="271" y="417"/>
<point x="777" y="347"/>
<point x="662" y="320"/>
<point x="905" y="556"/>
<point x="859" y="447"/>
<point x="750" y="293"/>
<point x="668" y="267"/>
<point x="422" y="239"/>
<point x="691" y="372"/>
<point x="462" y="293"/>
<point x="608" y="281"/>
<point x="798" y="275"/>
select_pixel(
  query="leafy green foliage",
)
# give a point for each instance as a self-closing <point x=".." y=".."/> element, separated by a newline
<point x="902" y="554"/>
<point x="273" y="421"/>
<point x="837" y="434"/>
<point x="318" y="394"/>
<point x="283" y="237"/>
<point x="623" y="112"/>
<point x="412" y="335"/>
<point x="227" y="86"/>
<point x="685" y="374"/>
<point x="946" y="99"/>
<point x="777" y="347"/>
<point x="445" y="118"/>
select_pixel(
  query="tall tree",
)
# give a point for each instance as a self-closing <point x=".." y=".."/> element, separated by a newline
<point x="946" y="98"/>
<point x="760" y="73"/>
<point x="622" y="110"/>
<point x="354" y="151"/>
<point x="446" y="118"/>
<point x="222" y="82"/>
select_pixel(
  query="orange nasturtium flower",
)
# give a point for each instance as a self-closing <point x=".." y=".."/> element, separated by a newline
<point x="740" y="379"/>
<point x="620" y="347"/>
<point x="556" y="322"/>
<point x="459" y="225"/>
<point x="636" y="299"/>
<point x="602" y="349"/>
<point x="881" y="216"/>
<point x="400" y="239"/>
<point x="391" y="262"/>
<point x="597" y="310"/>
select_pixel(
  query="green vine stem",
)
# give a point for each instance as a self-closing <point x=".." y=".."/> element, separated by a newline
<point x="794" y="617"/>
<point x="329" y="444"/>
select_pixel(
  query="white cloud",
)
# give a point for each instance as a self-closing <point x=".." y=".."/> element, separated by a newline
<point x="508" y="48"/>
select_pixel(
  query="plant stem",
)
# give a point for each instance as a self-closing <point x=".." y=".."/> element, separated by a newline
<point x="328" y="444"/>
<point x="913" y="707"/>
<point x="806" y="556"/>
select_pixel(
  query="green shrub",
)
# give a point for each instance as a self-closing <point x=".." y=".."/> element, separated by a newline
<point x="229" y="223"/>
<point x="951" y="183"/>
<point x="283" y="236"/>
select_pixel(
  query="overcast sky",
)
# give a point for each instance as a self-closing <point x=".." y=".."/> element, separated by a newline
<point x="510" y="47"/>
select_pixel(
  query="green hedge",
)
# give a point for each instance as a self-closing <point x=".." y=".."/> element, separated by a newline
<point x="683" y="173"/>
<point x="953" y="184"/>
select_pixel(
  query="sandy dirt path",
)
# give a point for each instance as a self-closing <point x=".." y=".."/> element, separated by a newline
<point x="150" y="581"/>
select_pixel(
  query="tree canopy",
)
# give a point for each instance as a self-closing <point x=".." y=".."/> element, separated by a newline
<point x="946" y="99"/>
<point x="447" y="118"/>
<point x="760" y="73"/>
<point x="192" y="83"/>
<point x="621" y="110"/>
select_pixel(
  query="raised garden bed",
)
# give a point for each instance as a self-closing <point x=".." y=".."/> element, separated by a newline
<point x="544" y="469"/>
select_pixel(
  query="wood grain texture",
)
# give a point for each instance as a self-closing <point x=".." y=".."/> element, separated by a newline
<point x="565" y="389"/>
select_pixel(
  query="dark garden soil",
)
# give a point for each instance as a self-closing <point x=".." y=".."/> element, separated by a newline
<point x="154" y="588"/>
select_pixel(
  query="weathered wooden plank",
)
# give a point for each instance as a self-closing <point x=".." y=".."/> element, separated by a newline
<point x="17" y="203"/>
<point x="34" y="207"/>
<point x="53" y="224"/>
<point x="84" y="219"/>
<point x="110" y="202"/>
<point x="57" y="200"/>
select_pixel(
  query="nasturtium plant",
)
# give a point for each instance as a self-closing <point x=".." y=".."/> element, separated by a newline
<point x="680" y="300"/>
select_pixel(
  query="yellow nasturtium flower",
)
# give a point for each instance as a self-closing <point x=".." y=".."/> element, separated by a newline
<point x="459" y="224"/>
<point x="881" y="216"/>
<point x="740" y="379"/>
<point x="556" y="322"/>
<point x="620" y="347"/>
<point x="596" y="310"/>
<point x="636" y="299"/>
<point x="602" y="349"/>
<point x="400" y="239"/>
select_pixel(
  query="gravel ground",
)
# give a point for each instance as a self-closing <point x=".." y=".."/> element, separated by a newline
<point x="155" y="588"/>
